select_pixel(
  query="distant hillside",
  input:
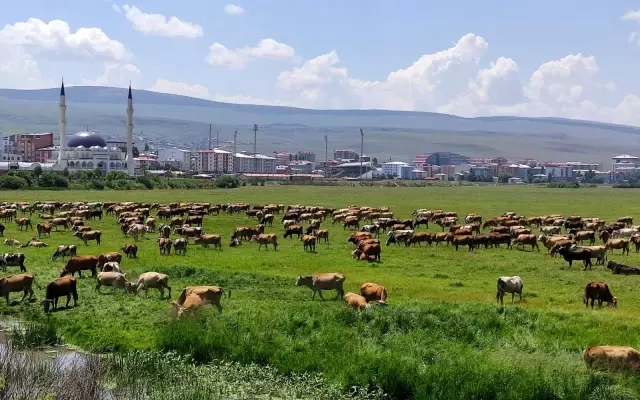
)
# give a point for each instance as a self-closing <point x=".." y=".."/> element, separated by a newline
<point x="172" y="119"/>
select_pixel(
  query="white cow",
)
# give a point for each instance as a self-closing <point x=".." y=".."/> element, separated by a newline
<point x="509" y="284"/>
<point x="112" y="266"/>
<point x="116" y="280"/>
<point x="550" y="230"/>
<point x="623" y="233"/>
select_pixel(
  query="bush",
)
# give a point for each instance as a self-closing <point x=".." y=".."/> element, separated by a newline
<point x="146" y="181"/>
<point x="12" y="182"/>
<point x="563" y="185"/>
<point x="227" y="182"/>
<point x="97" y="184"/>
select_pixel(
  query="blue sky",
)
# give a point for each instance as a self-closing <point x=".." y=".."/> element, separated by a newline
<point x="561" y="58"/>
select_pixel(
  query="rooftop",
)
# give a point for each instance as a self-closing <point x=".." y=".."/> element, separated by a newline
<point x="262" y="156"/>
<point x="626" y="156"/>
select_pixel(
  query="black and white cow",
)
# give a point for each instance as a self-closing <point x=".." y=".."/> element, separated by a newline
<point x="509" y="284"/>
<point x="12" y="260"/>
<point x="64" y="251"/>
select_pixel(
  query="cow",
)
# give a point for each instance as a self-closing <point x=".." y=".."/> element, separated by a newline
<point x="193" y="297"/>
<point x="356" y="301"/>
<point x="180" y="246"/>
<point x="618" y="244"/>
<point x="108" y="257"/>
<point x="165" y="231"/>
<point x="91" y="235"/>
<point x="12" y="260"/>
<point x="150" y="280"/>
<point x="130" y="250"/>
<point x="351" y="222"/>
<point x="571" y="254"/>
<point x="463" y="240"/>
<point x="599" y="291"/>
<point x="321" y="234"/>
<point x="244" y="232"/>
<point x="526" y="239"/>
<point x="419" y="238"/>
<point x="509" y="284"/>
<point x="374" y="292"/>
<point x="325" y="281"/>
<point x="111" y="266"/>
<point x="44" y="228"/>
<point x="164" y="244"/>
<point x="397" y="236"/>
<point x="267" y="219"/>
<point x="66" y="286"/>
<point x="597" y="252"/>
<point x="621" y="269"/>
<point x="293" y="230"/>
<point x="612" y="357"/>
<point x="117" y="280"/>
<point x="628" y="220"/>
<point x="79" y="264"/>
<point x="309" y="243"/>
<point x="64" y="251"/>
<point x="17" y="283"/>
<point x="207" y="239"/>
<point x="35" y="243"/>
<point x="581" y="236"/>
<point x="367" y="251"/>
<point x="11" y="242"/>
<point x="265" y="239"/>
<point x="623" y="233"/>
<point x="24" y="223"/>
<point x="136" y="231"/>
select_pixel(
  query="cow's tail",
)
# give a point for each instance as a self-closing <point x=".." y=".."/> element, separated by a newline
<point x="36" y="283"/>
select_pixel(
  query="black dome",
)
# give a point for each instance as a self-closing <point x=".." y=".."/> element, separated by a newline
<point x="86" y="139"/>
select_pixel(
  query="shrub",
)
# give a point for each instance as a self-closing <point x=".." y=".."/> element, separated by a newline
<point x="227" y="182"/>
<point x="97" y="184"/>
<point x="12" y="182"/>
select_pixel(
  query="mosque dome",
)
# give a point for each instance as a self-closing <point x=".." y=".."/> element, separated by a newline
<point x="87" y="140"/>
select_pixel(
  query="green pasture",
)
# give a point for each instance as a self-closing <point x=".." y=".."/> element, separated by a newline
<point x="442" y="335"/>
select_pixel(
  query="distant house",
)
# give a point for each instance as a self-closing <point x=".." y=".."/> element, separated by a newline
<point x="515" y="181"/>
<point x="394" y="168"/>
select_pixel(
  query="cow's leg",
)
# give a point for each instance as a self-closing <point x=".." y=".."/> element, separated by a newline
<point x="312" y="297"/>
<point x="24" y="296"/>
<point x="68" y="300"/>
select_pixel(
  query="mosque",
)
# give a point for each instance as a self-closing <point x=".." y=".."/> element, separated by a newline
<point x="88" y="150"/>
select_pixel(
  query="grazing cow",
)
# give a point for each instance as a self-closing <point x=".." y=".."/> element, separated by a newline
<point x="621" y="269"/>
<point x="136" y="231"/>
<point x="598" y="252"/>
<point x="91" y="235"/>
<point x="618" y="244"/>
<point x="397" y="236"/>
<point x="164" y="244"/>
<point x="265" y="239"/>
<point x="197" y="221"/>
<point x="319" y="282"/>
<point x="107" y="257"/>
<point x="309" y="243"/>
<point x="130" y="250"/>
<point x="571" y="254"/>
<point x="17" y="283"/>
<point x="24" y="223"/>
<point x="244" y="232"/>
<point x="78" y="228"/>
<point x="612" y="357"/>
<point x="79" y="264"/>
<point x="44" y="228"/>
<point x="180" y="246"/>
<point x="267" y="219"/>
<point x="482" y="240"/>
<point x="151" y="280"/>
<point x="527" y="239"/>
<point x="623" y="233"/>
<point x="367" y="251"/>
<point x="356" y="301"/>
<point x="293" y="230"/>
<point x="598" y="291"/>
<point x="374" y="292"/>
<point x="12" y="260"/>
<point x="194" y="297"/>
<point x="207" y="239"/>
<point x="64" y="251"/>
<point x="509" y="284"/>
<point x="66" y="286"/>
<point x="116" y="280"/>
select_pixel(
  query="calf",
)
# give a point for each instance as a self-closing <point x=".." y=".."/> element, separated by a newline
<point x="509" y="284"/>
<point x="111" y="266"/>
<point x="65" y="286"/>
<point x="356" y="301"/>
<point x="598" y="291"/>
<point x="321" y="234"/>
<point x="612" y="357"/>
<point x="319" y="282"/>
<point x="17" y="283"/>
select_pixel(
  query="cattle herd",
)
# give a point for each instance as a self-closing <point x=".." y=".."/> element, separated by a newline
<point x="560" y="235"/>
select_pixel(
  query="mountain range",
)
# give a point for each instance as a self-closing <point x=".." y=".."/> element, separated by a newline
<point x="173" y="120"/>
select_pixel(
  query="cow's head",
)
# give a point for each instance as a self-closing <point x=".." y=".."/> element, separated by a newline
<point x="304" y="280"/>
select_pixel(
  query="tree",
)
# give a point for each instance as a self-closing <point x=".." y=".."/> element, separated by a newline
<point x="146" y="146"/>
<point x="37" y="171"/>
<point x="65" y="173"/>
<point x="136" y="152"/>
<point x="374" y="161"/>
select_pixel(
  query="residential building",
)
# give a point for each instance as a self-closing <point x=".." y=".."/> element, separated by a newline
<point x="406" y="172"/>
<point x="487" y="160"/>
<point x="214" y="161"/>
<point x="481" y="171"/>
<point x="448" y="170"/>
<point x="283" y="158"/>
<point x="420" y="160"/>
<point x="559" y="171"/>
<point x="258" y="163"/>
<point x="143" y="163"/>
<point x="626" y="163"/>
<point x="301" y="167"/>
<point x="23" y="146"/>
<point x="393" y="168"/>
<point x="446" y="158"/>
<point x="176" y="157"/>
<point x="345" y="154"/>
<point x="306" y="156"/>
<point x="578" y="165"/>
<point x="418" y="174"/>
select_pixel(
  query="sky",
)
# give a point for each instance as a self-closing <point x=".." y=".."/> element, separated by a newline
<point x="572" y="59"/>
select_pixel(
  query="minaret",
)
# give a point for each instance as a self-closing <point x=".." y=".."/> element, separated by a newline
<point x="62" y="123"/>
<point x="130" y="161"/>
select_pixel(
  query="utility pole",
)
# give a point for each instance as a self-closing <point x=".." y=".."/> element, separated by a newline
<point x="209" y="136"/>
<point x="235" y="137"/>
<point x="361" y="150"/>
<point x="255" y="160"/>
<point x="326" y="156"/>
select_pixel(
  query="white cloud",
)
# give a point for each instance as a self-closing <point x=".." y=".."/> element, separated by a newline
<point x="181" y="88"/>
<point x="18" y="70"/>
<point x="160" y="25"/>
<point x="55" y="39"/>
<point x="239" y="58"/>
<point x="233" y="9"/>
<point x="116" y="75"/>
<point x="631" y="16"/>
<point x="115" y="7"/>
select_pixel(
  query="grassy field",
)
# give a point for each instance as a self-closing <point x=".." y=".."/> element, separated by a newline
<point x="442" y="335"/>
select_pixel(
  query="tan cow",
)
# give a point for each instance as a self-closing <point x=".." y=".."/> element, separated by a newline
<point x="206" y="239"/>
<point x="374" y="292"/>
<point x="356" y="301"/>
<point x="17" y="283"/>
<point x="265" y="239"/>
<point x="151" y="280"/>
<point x="91" y="235"/>
<point x="612" y="357"/>
<point x="117" y="280"/>
<point x="618" y="244"/>
<point x="319" y="282"/>
<point x="309" y="243"/>
<point x="180" y="246"/>
<point x="24" y="222"/>
<point x="193" y="297"/>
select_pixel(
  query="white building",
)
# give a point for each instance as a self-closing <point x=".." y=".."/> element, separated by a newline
<point x="180" y="157"/>
<point x="393" y="168"/>
<point x="259" y="163"/>
<point x="214" y="160"/>
<point x="626" y="163"/>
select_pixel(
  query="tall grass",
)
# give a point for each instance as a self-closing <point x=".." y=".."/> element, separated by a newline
<point x="35" y="334"/>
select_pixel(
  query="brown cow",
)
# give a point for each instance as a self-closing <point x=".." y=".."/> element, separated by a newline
<point x="91" y="235"/>
<point x="419" y="238"/>
<point x="321" y="234"/>
<point x="598" y="291"/>
<point x="66" y="286"/>
<point x="612" y="357"/>
<point x="265" y="239"/>
<point x="356" y="301"/>
<point x="309" y="243"/>
<point x="164" y="244"/>
<point x="585" y="235"/>
<point x="180" y="246"/>
<point x="207" y="239"/>
<point x="79" y="264"/>
<point x="374" y="292"/>
<point x="526" y="239"/>
<point x="44" y="228"/>
<point x="130" y="250"/>
<point x="193" y="297"/>
<point x="107" y="257"/>
<point x="17" y="283"/>
<point x="319" y="282"/>
<point x="462" y="240"/>
<point x="24" y="222"/>
<point x="618" y="244"/>
<point x="369" y="252"/>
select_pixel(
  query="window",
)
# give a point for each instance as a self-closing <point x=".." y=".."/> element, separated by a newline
<point x="90" y="164"/>
<point x="84" y="164"/>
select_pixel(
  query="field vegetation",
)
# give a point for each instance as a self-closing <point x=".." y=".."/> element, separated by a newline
<point x="442" y="335"/>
